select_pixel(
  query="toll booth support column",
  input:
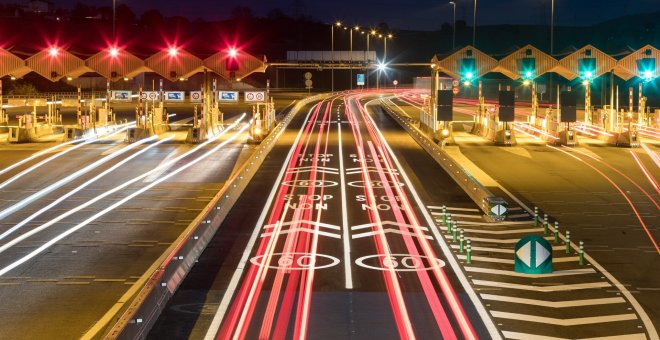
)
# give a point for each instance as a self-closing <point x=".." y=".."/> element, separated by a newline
<point x="535" y="105"/>
<point x="641" y="117"/>
<point x="587" y="103"/>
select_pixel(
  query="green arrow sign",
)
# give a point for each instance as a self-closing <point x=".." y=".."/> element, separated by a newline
<point x="533" y="255"/>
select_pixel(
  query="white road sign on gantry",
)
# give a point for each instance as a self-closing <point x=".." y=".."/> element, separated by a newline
<point x="255" y="96"/>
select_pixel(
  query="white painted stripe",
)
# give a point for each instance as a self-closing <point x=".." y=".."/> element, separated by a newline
<point x="487" y="259"/>
<point x="526" y="336"/>
<point x="315" y="171"/>
<point x="570" y="272"/>
<point x="305" y="230"/>
<point x="313" y="223"/>
<point x="233" y="283"/>
<point x="495" y="224"/>
<point x="481" y="310"/>
<point x="384" y="223"/>
<point x="459" y="215"/>
<point x="389" y="231"/>
<point x="502" y="232"/>
<point x="564" y="322"/>
<point x="452" y="208"/>
<point x="501" y="250"/>
<point x="544" y="289"/>
<point x="554" y="304"/>
<point x="492" y="240"/>
<point x="565" y="259"/>
<point x="348" y="269"/>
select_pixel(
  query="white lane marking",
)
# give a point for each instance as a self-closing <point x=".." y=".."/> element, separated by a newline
<point x="526" y="336"/>
<point x="304" y="230"/>
<point x="392" y="223"/>
<point x="476" y="302"/>
<point x="492" y="240"/>
<point x="501" y="232"/>
<point x="452" y="208"/>
<point x="459" y="215"/>
<point x="564" y="322"/>
<point x="553" y="304"/>
<point x="569" y="272"/>
<point x="494" y="224"/>
<point x="313" y="223"/>
<point x="501" y="250"/>
<point x="388" y="231"/>
<point x="543" y="289"/>
<point x="233" y="283"/>
<point x="348" y="268"/>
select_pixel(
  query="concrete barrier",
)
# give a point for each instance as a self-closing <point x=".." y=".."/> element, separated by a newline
<point x="477" y="192"/>
<point x="133" y="315"/>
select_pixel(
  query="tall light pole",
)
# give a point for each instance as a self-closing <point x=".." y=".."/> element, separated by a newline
<point x="369" y="34"/>
<point x="552" y="28"/>
<point x="357" y="28"/>
<point x="474" y="25"/>
<point x="114" y="15"/>
<point x="453" y="27"/>
<point x="332" y="46"/>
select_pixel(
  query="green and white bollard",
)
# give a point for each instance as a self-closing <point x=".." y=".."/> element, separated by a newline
<point x="545" y="224"/>
<point x="461" y="248"/>
<point x="536" y="216"/>
<point x="568" y="241"/>
<point x="455" y="223"/>
<point x="455" y="235"/>
<point x="448" y="217"/>
<point x="556" y="232"/>
<point x="469" y="252"/>
<point x="444" y="214"/>
<point x="581" y="253"/>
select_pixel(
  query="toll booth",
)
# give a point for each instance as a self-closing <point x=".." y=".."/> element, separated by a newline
<point x="568" y="114"/>
<point x="263" y="121"/>
<point x="208" y="121"/>
<point x="32" y="127"/>
<point x="506" y="115"/>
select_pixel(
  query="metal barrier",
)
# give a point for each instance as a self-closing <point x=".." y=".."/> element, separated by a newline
<point x="137" y="310"/>
<point x="477" y="192"/>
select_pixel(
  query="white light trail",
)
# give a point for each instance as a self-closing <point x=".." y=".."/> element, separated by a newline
<point x="110" y="192"/>
<point x="118" y="203"/>
<point x="60" y="154"/>
<point x="82" y="186"/>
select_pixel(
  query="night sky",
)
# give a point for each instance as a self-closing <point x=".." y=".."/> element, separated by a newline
<point x="409" y="14"/>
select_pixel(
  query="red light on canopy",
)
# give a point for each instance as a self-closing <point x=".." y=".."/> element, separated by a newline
<point x="172" y="51"/>
<point x="113" y="51"/>
<point x="53" y="51"/>
<point x="233" y="52"/>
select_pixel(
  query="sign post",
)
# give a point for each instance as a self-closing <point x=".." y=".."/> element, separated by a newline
<point x="533" y="255"/>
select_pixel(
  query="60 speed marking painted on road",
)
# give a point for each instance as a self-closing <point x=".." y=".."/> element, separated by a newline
<point x="306" y="183"/>
<point x="297" y="261"/>
<point x="399" y="262"/>
<point x="374" y="184"/>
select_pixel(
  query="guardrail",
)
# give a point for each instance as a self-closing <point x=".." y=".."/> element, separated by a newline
<point x="134" y="314"/>
<point x="477" y="192"/>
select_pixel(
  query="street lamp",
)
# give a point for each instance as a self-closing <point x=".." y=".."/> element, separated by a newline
<point x="453" y="27"/>
<point x="332" y="46"/>
<point x="474" y="25"/>
<point x="114" y="14"/>
<point x="552" y="28"/>
<point x="356" y="28"/>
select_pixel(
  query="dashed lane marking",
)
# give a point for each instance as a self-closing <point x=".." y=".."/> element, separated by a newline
<point x="553" y="304"/>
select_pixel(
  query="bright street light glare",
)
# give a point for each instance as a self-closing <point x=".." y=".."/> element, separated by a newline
<point x="648" y="74"/>
<point x="114" y="52"/>
<point x="53" y="51"/>
<point x="469" y="75"/>
<point x="233" y="52"/>
<point x="588" y="74"/>
<point x="381" y="66"/>
<point x="528" y="74"/>
<point x="172" y="51"/>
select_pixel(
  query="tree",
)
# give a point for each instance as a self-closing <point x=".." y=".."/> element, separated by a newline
<point x="242" y="13"/>
<point x="151" y="18"/>
<point x="125" y="14"/>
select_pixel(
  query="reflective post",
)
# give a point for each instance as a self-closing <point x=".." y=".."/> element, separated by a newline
<point x="568" y="242"/>
<point x="536" y="216"/>
<point x="469" y="252"/>
<point x="462" y="248"/>
<point x="581" y="253"/>
<point x="556" y="232"/>
<point x="545" y="224"/>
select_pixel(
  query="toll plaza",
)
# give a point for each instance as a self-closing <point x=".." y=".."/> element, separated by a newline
<point x="565" y="118"/>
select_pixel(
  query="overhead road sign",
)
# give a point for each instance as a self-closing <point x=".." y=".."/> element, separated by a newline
<point x="228" y="96"/>
<point x="255" y="96"/>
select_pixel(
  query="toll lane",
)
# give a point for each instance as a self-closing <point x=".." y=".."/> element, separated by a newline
<point x="342" y="247"/>
<point x="66" y="288"/>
